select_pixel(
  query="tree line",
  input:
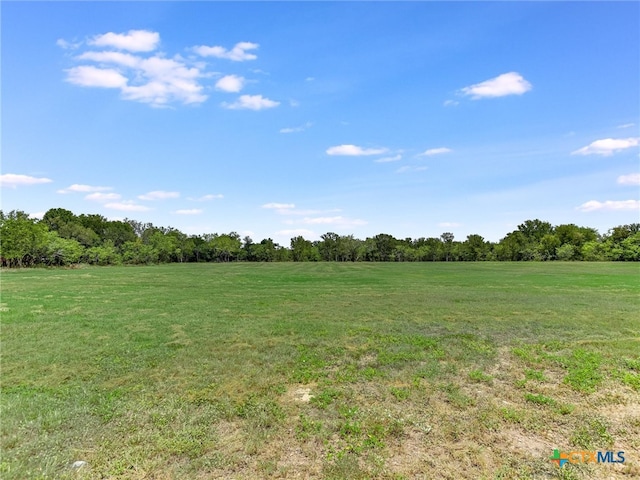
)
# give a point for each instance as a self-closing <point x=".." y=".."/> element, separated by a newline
<point x="62" y="238"/>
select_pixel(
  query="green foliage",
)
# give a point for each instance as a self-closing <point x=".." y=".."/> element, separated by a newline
<point x="583" y="370"/>
<point x="143" y="243"/>
<point x="592" y="434"/>
<point x="539" y="399"/>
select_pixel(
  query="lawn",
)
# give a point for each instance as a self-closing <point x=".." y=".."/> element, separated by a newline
<point x="327" y="370"/>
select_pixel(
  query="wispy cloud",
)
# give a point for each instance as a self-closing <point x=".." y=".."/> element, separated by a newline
<point x="279" y="206"/>
<point x="609" y="205"/>
<point x="435" y="151"/>
<point x="608" y="146"/>
<point x="127" y="207"/>
<point x="408" y="169"/>
<point x="62" y="43"/>
<point x="388" y="159"/>
<point x="627" y="125"/>
<point x="133" y="41"/>
<point x="192" y="211"/>
<point x="79" y="188"/>
<point x="159" y="195"/>
<point x="206" y="198"/>
<point x="294" y="232"/>
<point x="230" y="83"/>
<point x="354" y="150"/>
<point x="301" y="128"/>
<point x="511" y="83"/>
<point x="336" y="221"/>
<point x="630" y="179"/>
<point x="451" y="103"/>
<point x="237" y="54"/>
<point x="251" y="102"/>
<point x="14" y="180"/>
<point x="103" y="197"/>
<point x="449" y="224"/>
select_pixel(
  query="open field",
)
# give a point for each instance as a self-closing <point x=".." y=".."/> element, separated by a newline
<point x="337" y="371"/>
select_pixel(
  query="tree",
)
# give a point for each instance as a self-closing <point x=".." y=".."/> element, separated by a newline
<point x="534" y="230"/>
<point x="62" y="251"/>
<point x="329" y="247"/>
<point x="303" y="250"/>
<point x="447" y="243"/>
<point x="23" y="239"/>
<point x="548" y="246"/>
<point x="475" y="248"/>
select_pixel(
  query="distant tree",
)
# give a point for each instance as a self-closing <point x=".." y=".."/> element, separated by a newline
<point x="22" y="239"/>
<point x="61" y="251"/>
<point x="548" y="246"/>
<point x="475" y="248"/>
<point x="303" y="250"/>
<point x="447" y="244"/>
<point x="265" y="251"/>
<point x="534" y="230"/>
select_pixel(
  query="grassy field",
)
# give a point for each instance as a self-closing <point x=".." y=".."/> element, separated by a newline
<point x="337" y="371"/>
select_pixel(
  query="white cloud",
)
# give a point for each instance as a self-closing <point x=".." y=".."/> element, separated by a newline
<point x="339" y="221"/>
<point x="630" y="179"/>
<point x="237" y="54"/>
<point x="407" y="169"/>
<point x="609" y="205"/>
<point x="607" y="146"/>
<point x="192" y="211"/>
<point x="230" y="83"/>
<point x="127" y="207"/>
<point x="279" y="206"/>
<point x="13" y="180"/>
<point x="154" y="80"/>
<point x="511" y="83"/>
<point x="88" y="76"/>
<point x="251" y="102"/>
<point x="354" y="150"/>
<point x="119" y="58"/>
<point x="451" y="103"/>
<point x="133" y="41"/>
<point x="627" y="125"/>
<point x="62" y="43"/>
<point x="103" y="197"/>
<point x="435" y="151"/>
<point x="159" y="195"/>
<point x="389" y="159"/>
<point x="297" y="232"/>
<point x="206" y="198"/>
<point x="301" y="128"/>
<point x="37" y="215"/>
<point x="79" y="188"/>
<point x="449" y="224"/>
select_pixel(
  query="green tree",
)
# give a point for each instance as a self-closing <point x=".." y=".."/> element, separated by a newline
<point x="22" y="239"/>
<point x="548" y="246"/>
<point x="62" y="251"/>
<point x="303" y="250"/>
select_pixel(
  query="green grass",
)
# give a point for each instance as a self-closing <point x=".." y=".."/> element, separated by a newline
<point x="192" y="371"/>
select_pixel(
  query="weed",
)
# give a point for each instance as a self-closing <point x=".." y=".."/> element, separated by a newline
<point x="592" y="434"/>
<point x="480" y="376"/>
<point x="325" y="398"/>
<point x="537" y="375"/>
<point x="583" y="370"/>
<point x="539" y="399"/>
<point x="400" y="393"/>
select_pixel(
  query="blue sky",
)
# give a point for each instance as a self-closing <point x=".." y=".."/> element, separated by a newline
<point x="287" y="118"/>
